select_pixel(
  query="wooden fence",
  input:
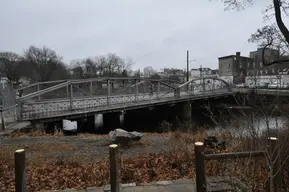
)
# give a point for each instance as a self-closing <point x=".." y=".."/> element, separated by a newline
<point x="272" y="154"/>
<point x="20" y="169"/>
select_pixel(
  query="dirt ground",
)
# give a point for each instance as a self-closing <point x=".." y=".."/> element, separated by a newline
<point x="84" y="147"/>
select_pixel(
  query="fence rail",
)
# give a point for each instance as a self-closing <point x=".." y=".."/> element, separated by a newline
<point x="236" y="155"/>
<point x="272" y="154"/>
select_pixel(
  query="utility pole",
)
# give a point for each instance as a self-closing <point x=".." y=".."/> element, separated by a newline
<point x="188" y="65"/>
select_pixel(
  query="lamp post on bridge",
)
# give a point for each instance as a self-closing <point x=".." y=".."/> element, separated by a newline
<point x="188" y="67"/>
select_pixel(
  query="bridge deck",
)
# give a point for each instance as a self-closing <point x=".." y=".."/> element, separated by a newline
<point x="55" y="109"/>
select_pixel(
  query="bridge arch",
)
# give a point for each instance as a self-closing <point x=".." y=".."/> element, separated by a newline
<point x="206" y="78"/>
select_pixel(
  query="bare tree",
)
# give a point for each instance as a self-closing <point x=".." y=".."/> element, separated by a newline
<point x="269" y="37"/>
<point x="148" y="71"/>
<point x="175" y="74"/>
<point x="77" y="69"/>
<point x="104" y="65"/>
<point x="10" y="66"/>
<point x="43" y="61"/>
<point x="136" y="73"/>
<point x="114" y="65"/>
<point x="276" y="7"/>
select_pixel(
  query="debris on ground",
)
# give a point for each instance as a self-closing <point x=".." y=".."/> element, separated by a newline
<point x="124" y="137"/>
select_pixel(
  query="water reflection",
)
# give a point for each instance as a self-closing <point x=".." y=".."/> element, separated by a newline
<point x="248" y="126"/>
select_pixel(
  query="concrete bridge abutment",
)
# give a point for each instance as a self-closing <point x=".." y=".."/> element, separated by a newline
<point x="184" y="114"/>
<point x="98" y="121"/>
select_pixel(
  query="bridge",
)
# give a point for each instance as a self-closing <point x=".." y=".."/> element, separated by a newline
<point x="54" y="100"/>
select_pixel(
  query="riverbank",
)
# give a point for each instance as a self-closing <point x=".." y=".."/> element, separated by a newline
<point x="59" y="162"/>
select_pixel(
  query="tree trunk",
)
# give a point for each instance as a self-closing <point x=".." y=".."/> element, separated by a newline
<point x="278" y="17"/>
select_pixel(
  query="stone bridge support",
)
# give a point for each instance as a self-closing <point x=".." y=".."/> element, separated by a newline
<point x="107" y="121"/>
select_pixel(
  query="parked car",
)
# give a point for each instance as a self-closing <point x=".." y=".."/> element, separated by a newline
<point x="242" y="85"/>
<point x="258" y="85"/>
<point x="277" y="85"/>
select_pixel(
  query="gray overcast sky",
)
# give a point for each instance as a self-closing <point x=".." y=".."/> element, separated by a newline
<point x="153" y="33"/>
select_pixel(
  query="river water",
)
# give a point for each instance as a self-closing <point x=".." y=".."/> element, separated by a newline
<point x="250" y="125"/>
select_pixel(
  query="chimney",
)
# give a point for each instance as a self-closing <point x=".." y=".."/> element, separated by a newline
<point x="238" y="53"/>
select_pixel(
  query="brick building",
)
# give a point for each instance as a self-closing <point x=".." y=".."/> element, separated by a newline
<point x="235" y="66"/>
<point x="270" y="55"/>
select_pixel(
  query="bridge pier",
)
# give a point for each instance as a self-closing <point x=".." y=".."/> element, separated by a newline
<point x="184" y="113"/>
<point x="98" y="121"/>
<point x="113" y="120"/>
<point x="121" y="119"/>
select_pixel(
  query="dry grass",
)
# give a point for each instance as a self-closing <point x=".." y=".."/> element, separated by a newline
<point x="50" y="174"/>
<point x="35" y="133"/>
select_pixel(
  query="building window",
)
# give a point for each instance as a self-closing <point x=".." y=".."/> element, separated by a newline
<point x="241" y="65"/>
<point x="273" y="70"/>
<point x="261" y="64"/>
<point x="229" y="65"/>
<point x="253" y="64"/>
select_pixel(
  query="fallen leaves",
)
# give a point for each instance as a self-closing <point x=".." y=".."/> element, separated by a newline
<point x="56" y="173"/>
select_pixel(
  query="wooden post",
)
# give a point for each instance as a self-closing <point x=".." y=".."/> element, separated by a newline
<point x="20" y="171"/>
<point x="71" y="96"/>
<point x="114" y="168"/>
<point x="275" y="164"/>
<point x="108" y="91"/>
<point x="200" y="167"/>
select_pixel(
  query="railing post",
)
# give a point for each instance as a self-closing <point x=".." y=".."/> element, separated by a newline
<point x="200" y="167"/>
<point x="158" y="89"/>
<point x="203" y="85"/>
<point x="71" y="96"/>
<point x="90" y="87"/>
<point x="38" y="89"/>
<point x="177" y="93"/>
<point x="108" y="91"/>
<point x="275" y="165"/>
<point x="2" y="119"/>
<point x="67" y="91"/>
<point x="20" y="110"/>
<point x="114" y="168"/>
<point x="20" y="170"/>
<point x="136" y="90"/>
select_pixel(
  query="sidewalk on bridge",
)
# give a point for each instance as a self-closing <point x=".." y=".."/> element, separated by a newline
<point x="185" y="185"/>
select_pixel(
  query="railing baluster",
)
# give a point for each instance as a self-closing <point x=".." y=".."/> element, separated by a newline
<point x="71" y="96"/>
<point x="158" y="89"/>
<point x="108" y="92"/>
<point x="2" y="119"/>
<point x="136" y="90"/>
